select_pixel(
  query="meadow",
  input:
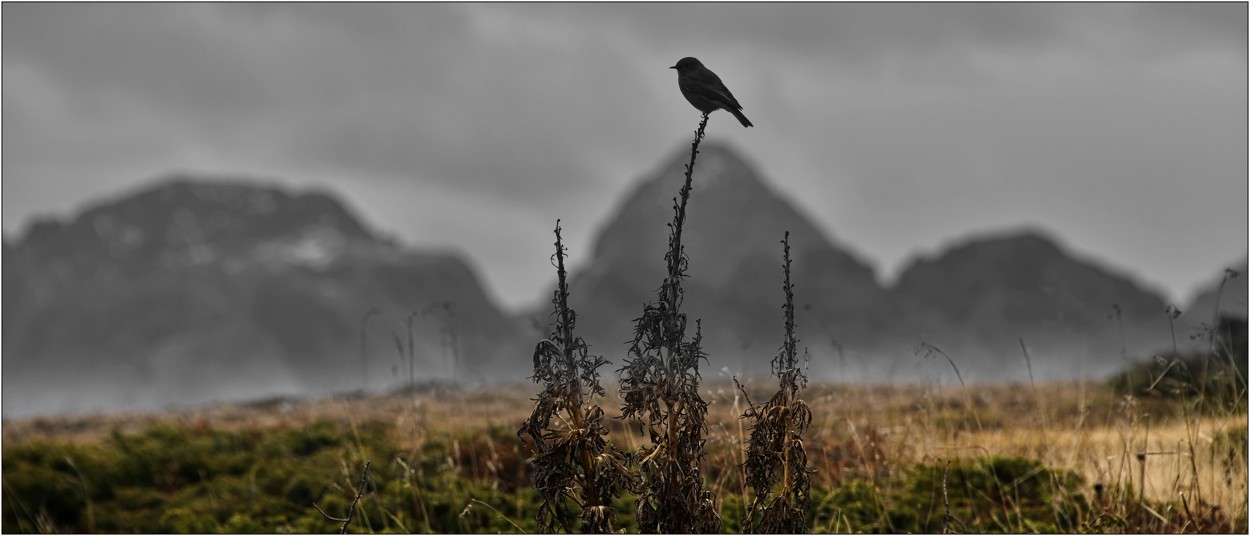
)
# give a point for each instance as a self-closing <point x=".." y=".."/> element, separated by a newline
<point x="1059" y="457"/>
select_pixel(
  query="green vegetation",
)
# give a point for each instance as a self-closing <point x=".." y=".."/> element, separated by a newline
<point x="192" y="478"/>
<point x="1208" y="382"/>
<point x="196" y="479"/>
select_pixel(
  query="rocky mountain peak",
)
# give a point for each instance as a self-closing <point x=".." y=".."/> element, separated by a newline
<point x="188" y="221"/>
<point x="987" y="293"/>
<point x="1029" y="265"/>
<point x="719" y="166"/>
<point x="191" y="289"/>
<point x="734" y="226"/>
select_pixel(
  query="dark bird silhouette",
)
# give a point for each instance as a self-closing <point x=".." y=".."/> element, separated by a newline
<point x="705" y="91"/>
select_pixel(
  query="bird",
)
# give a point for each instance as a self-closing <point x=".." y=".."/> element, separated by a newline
<point x="705" y="91"/>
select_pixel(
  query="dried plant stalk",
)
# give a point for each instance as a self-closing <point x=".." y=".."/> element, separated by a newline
<point x="776" y="462"/>
<point x="574" y="465"/>
<point x="660" y="389"/>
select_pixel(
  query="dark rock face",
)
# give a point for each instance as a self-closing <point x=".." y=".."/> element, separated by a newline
<point x="197" y="289"/>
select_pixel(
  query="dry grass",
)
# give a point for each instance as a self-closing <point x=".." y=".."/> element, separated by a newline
<point x="871" y="431"/>
<point x="857" y="431"/>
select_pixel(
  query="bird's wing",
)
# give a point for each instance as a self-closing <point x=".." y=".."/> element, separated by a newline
<point x="708" y="85"/>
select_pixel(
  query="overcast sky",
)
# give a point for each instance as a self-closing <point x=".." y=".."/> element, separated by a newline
<point x="896" y="127"/>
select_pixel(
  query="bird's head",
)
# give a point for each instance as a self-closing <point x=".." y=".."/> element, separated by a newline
<point x="686" y="64"/>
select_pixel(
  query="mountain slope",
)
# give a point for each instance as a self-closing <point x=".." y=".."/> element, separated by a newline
<point x="735" y="222"/>
<point x="981" y="296"/>
<point x="976" y="300"/>
<point x="1232" y="297"/>
<point x="192" y="289"/>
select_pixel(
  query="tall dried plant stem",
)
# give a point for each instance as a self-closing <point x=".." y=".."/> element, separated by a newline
<point x="676" y="253"/>
<point x="659" y="388"/>
<point x="776" y="463"/>
<point x="573" y="464"/>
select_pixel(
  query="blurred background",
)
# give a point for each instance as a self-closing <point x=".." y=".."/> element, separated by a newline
<point x="228" y="201"/>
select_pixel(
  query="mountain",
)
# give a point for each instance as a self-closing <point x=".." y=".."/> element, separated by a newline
<point x="193" y="289"/>
<point x="735" y="223"/>
<point x="981" y="296"/>
<point x="1232" y="297"/>
<point x="976" y="300"/>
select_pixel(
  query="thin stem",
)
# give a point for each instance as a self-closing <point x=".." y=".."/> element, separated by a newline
<point x="676" y="252"/>
<point x="351" y="510"/>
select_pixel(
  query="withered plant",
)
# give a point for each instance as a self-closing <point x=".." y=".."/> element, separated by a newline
<point x="660" y="391"/>
<point x="776" y="461"/>
<point x="574" y="467"/>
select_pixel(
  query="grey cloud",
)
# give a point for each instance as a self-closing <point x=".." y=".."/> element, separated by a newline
<point x="230" y="59"/>
<point x="938" y="43"/>
<point x="383" y="89"/>
<point x="895" y="125"/>
<point x="159" y="52"/>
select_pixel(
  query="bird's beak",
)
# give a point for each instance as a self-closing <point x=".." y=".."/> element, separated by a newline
<point x="673" y="67"/>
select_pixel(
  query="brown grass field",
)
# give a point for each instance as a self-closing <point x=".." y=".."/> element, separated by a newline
<point x="858" y="432"/>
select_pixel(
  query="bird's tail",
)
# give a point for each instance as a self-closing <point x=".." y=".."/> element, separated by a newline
<point x="741" y="118"/>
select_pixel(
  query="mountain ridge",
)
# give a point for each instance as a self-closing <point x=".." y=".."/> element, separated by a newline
<point x="848" y="309"/>
<point x="263" y="288"/>
<point x="141" y="298"/>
